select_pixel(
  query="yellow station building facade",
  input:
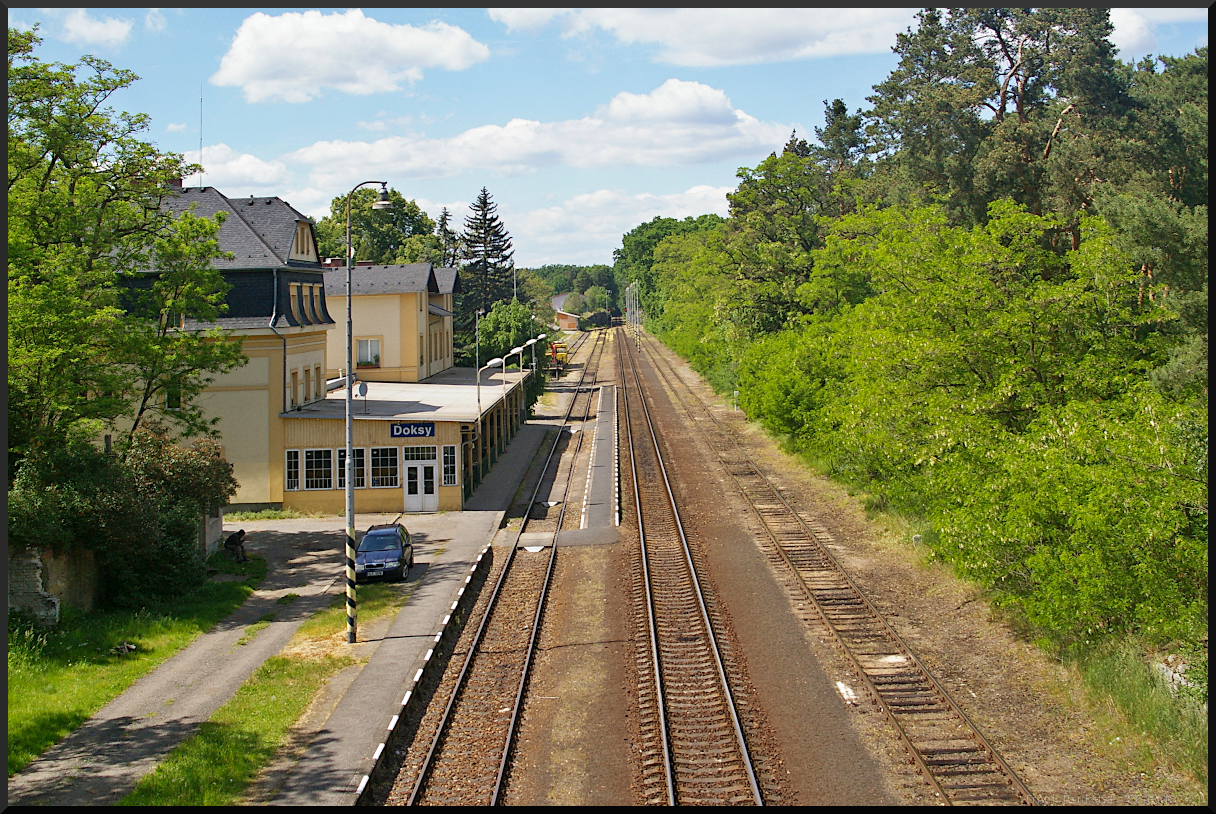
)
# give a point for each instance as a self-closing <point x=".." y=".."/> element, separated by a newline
<point x="422" y="443"/>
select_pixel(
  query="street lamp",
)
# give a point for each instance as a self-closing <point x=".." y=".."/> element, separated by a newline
<point x="352" y="617"/>
<point x="481" y="438"/>
<point x="531" y="343"/>
<point x="520" y="351"/>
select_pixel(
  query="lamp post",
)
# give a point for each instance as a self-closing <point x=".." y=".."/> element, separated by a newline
<point x="481" y="442"/>
<point x="531" y="343"/>
<point x="352" y="617"/>
<point x="520" y="351"/>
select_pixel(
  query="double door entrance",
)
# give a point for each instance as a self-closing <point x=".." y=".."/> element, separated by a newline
<point x="421" y="465"/>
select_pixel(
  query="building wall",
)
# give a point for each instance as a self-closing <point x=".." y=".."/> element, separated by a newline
<point x="330" y="433"/>
<point x="249" y="402"/>
<point x="247" y="405"/>
<point x="412" y="318"/>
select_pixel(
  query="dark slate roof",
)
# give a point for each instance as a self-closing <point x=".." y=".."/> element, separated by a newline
<point x="238" y="323"/>
<point x="448" y="280"/>
<point x="258" y="232"/>
<point x="410" y="278"/>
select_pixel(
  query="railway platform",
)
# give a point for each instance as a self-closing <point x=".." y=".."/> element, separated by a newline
<point x="342" y="750"/>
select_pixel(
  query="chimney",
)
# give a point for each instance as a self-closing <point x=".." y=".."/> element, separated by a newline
<point x="175" y="183"/>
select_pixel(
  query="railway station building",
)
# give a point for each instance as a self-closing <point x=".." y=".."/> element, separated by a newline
<point x="422" y="441"/>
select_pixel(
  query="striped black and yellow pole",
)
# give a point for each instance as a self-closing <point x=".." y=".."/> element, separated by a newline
<point x="352" y="615"/>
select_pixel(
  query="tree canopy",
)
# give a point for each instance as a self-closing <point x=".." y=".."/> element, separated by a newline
<point x="983" y="301"/>
<point x="403" y="233"/>
<point x="85" y="197"/>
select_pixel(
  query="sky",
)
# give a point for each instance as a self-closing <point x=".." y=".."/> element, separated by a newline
<point x="581" y="123"/>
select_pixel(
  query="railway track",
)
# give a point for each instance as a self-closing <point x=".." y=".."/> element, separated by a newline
<point x="693" y="746"/>
<point x="947" y="748"/>
<point x="469" y="755"/>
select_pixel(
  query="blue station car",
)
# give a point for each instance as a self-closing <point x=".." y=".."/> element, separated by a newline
<point x="385" y="552"/>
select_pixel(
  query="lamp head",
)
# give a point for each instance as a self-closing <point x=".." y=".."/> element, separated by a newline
<point x="382" y="201"/>
<point x="543" y="336"/>
<point x="530" y="343"/>
<point x="494" y="363"/>
<point x="517" y="350"/>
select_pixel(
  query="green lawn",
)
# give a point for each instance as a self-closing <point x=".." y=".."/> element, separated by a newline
<point x="57" y="679"/>
<point x="215" y="766"/>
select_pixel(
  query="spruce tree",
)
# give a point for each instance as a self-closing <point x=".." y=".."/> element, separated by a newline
<point x="449" y="241"/>
<point x="487" y="255"/>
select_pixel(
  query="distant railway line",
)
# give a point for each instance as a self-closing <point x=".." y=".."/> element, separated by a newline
<point x="469" y="754"/>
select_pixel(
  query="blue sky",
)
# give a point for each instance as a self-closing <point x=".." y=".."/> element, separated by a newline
<point x="582" y="123"/>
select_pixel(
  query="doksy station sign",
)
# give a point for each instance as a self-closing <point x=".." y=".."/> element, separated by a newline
<point x="412" y="429"/>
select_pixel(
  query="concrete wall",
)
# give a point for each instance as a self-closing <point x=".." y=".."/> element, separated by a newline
<point x="39" y="583"/>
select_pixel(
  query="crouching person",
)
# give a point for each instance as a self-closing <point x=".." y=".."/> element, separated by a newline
<point x="235" y="545"/>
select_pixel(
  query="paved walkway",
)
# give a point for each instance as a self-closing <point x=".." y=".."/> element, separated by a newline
<point x="104" y="758"/>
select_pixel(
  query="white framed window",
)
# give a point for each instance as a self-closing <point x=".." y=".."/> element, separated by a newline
<point x="360" y="470"/>
<point x="418" y="453"/>
<point x="384" y="467"/>
<point x="293" y="470"/>
<point x="318" y="469"/>
<point x="369" y="353"/>
<point x="449" y="465"/>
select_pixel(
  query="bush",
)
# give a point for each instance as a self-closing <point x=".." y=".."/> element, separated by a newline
<point x="140" y="516"/>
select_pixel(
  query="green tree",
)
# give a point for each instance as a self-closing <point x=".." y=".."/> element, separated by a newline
<point x="842" y="139"/>
<point x="449" y="241"/>
<point x="85" y="207"/>
<point x="170" y="355"/>
<point x="486" y="253"/>
<point x="509" y="324"/>
<point x="400" y="234"/>
<point x="633" y="262"/>
<point x="140" y="517"/>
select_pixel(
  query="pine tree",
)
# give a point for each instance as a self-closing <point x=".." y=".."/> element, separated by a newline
<point x="449" y="241"/>
<point x="487" y="255"/>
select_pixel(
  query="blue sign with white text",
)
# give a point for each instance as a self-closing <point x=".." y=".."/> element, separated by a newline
<point x="412" y="429"/>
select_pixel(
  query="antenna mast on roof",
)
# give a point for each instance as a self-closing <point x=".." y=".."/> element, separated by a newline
<point x="200" y="133"/>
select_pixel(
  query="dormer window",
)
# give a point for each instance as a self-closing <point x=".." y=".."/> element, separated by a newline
<point x="308" y="301"/>
<point x="295" y="301"/>
<point x="316" y="303"/>
<point x="302" y="247"/>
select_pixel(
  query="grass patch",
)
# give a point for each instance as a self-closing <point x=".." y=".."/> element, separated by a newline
<point x="59" y="678"/>
<point x="374" y="600"/>
<point x="272" y="514"/>
<point x="287" y="599"/>
<point x="255" y="568"/>
<point x="1131" y="694"/>
<point x="252" y="630"/>
<point x="216" y="765"/>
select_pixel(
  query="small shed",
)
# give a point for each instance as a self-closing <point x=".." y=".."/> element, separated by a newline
<point x="567" y="322"/>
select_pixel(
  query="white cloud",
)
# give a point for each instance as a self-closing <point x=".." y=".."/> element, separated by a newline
<point x="1132" y="34"/>
<point x="80" y="28"/>
<point x="586" y="228"/>
<point x="390" y="123"/>
<point x="679" y="123"/>
<point x="742" y="36"/>
<point x="1162" y="16"/>
<point x="526" y="19"/>
<point x="293" y="56"/>
<point x="234" y="173"/>
<point x="154" y="20"/>
<point x="1135" y="28"/>
<point x="175" y="128"/>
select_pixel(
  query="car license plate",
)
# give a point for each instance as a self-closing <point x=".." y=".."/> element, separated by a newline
<point x="375" y="573"/>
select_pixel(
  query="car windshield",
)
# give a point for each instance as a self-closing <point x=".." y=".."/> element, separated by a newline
<point x="380" y="542"/>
